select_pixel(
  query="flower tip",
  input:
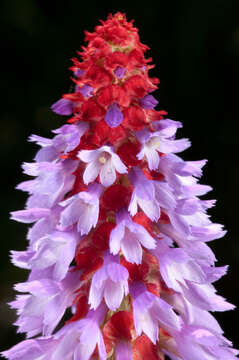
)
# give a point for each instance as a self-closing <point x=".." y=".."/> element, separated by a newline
<point x="113" y="116"/>
<point x="62" y="107"/>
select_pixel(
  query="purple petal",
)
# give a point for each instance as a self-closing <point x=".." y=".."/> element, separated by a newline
<point x="204" y="297"/>
<point x="214" y="273"/>
<point x="29" y="349"/>
<point x="148" y="102"/>
<point x="116" y="237"/>
<point x="144" y="188"/>
<point x="123" y="351"/>
<point x="28" y="186"/>
<point x="79" y="72"/>
<point x="118" y="164"/>
<point x="131" y="248"/>
<point x="150" y="208"/>
<point x="164" y="313"/>
<point x="187" y="168"/>
<point x="107" y="173"/>
<point x="109" y="281"/>
<point x="63" y="107"/>
<point x="30" y="215"/>
<point x="42" y="287"/>
<point x="197" y="343"/>
<point x="70" y="214"/>
<point x="174" y="146"/>
<point x="179" y="223"/>
<point x="144" y="237"/>
<point x="82" y="208"/>
<point x="99" y="278"/>
<point x="167" y="127"/>
<point x="95" y="296"/>
<point x="88" y="217"/>
<point x="209" y="232"/>
<point x="91" y="171"/>
<point x="113" y="116"/>
<point x="48" y="153"/>
<point x="21" y="258"/>
<point x="73" y="134"/>
<point x="42" y="141"/>
<point x="117" y="272"/>
<point x="119" y="72"/>
<point x="164" y="195"/>
<point x="86" y="90"/>
<point x="188" y="206"/>
<point x="113" y="294"/>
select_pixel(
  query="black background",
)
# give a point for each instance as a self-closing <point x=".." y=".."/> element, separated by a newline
<point x="195" y="46"/>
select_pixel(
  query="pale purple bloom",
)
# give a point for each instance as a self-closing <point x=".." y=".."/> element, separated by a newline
<point x="150" y="312"/>
<point x="160" y="141"/>
<point x="184" y="275"/>
<point x="43" y="308"/>
<point x="49" y="149"/>
<point x="208" y="232"/>
<point x="45" y="221"/>
<point x="189" y="219"/>
<point x="176" y="266"/>
<point x="53" y="181"/>
<point x="143" y="195"/>
<point x="55" y="250"/>
<point x="67" y="139"/>
<point x="63" y="107"/>
<point x="187" y="168"/>
<point x="204" y="296"/>
<point x="113" y="116"/>
<point x="196" y="249"/>
<point x="109" y="282"/>
<point x="119" y="72"/>
<point x="191" y="314"/>
<point x="79" y="339"/>
<point x="149" y="195"/>
<point x="148" y="102"/>
<point x="197" y="343"/>
<point x="45" y="225"/>
<point x="76" y="340"/>
<point x="130" y="237"/>
<point x="71" y="135"/>
<point x="32" y="349"/>
<point x="167" y="126"/>
<point x="189" y="187"/>
<point x="103" y="162"/>
<point x="82" y="208"/>
<point x="175" y="170"/>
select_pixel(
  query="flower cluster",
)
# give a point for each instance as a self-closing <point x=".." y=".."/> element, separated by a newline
<point x="119" y="234"/>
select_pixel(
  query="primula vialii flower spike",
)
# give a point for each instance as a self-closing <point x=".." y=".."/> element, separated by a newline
<point x="119" y="234"/>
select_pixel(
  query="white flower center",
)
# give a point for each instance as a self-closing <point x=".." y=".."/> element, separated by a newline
<point x="154" y="142"/>
<point x="103" y="158"/>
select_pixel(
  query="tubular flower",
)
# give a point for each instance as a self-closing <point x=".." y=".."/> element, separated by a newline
<point x="119" y="235"/>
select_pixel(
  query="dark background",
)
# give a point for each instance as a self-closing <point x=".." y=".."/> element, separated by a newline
<point x="195" y="46"/>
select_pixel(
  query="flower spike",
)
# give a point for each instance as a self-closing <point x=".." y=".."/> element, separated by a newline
<point x="119" y="234"/>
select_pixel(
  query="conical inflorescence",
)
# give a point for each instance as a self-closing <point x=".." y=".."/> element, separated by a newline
<point x="119" y="234"/>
